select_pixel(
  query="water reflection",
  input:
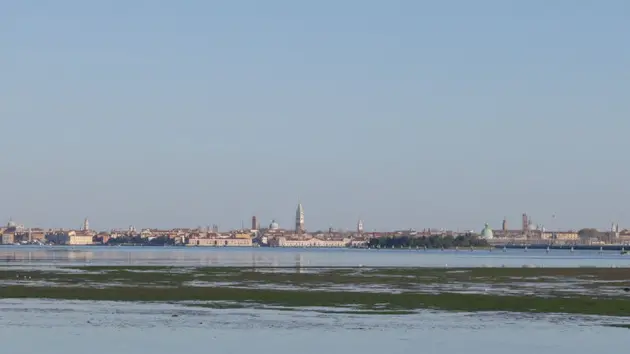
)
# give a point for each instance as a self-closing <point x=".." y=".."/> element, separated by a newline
<point x="260" y="257"/>
<point x="77" y="327"/>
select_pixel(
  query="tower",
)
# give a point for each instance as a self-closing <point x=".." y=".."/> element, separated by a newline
<point x="254" y="223"/>
<point x="360" y="227"/>
<point x="526" y="223"/>
<point x="504" y="226"/>
<point x="615" y="230"/>
<point x="299" y="219"/>
<point x="86" y="225"/>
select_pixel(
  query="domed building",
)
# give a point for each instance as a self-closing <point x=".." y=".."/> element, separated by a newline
<point x="487" y="232"/>
<point x="274" y="225"/>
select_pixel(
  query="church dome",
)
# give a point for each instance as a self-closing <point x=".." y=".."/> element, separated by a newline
<point x="273" y="225"/>
<point x="487" y="232"/>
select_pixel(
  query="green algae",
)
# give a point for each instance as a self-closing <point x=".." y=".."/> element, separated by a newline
<point x="376" y="301"/>
<point x="400" y="290"/>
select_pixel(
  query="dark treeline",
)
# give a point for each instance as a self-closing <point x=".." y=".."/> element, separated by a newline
<point x="428" y="242"/>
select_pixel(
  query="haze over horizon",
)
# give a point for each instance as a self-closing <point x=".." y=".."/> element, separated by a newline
<point x="406" y="114"/>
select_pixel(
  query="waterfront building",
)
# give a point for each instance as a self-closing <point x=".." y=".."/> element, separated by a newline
<point x="30" y="235"/>
<point x="560" y="236"/>
<point x="358" y="242"/>
<point x="11" y="232"/>
<point x="79" y="238"/>
<point x="623" y="238"/>
<point x="73" y="238"/>
<point x="309" y="242"/>
<point x="220" y="242"/>
<point x="507" y="234"/>
<point x="103" y="237"/>
<point x="8" y="237"/>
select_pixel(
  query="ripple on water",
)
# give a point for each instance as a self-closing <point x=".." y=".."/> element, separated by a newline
<point x="73" y="327"/>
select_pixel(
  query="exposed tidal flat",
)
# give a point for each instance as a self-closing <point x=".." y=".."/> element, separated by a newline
<point x="360" y="290"/>
<point x="141" y="300"/>
<point x="362" y="281"/>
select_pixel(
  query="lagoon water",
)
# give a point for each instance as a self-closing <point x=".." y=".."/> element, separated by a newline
<point x="40" y="326"/>
<point x="224" y="256"/>
<point x="73" y="327"/>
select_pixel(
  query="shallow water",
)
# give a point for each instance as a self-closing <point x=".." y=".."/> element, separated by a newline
<point x="69" y="327"/>
<point x="202" y="256"/>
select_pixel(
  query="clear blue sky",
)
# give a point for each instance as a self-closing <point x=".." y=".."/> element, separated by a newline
<point x="406" y="113"/>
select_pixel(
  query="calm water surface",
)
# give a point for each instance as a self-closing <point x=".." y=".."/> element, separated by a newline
<point x="40" y="326"/>
<point x="198" y="256"/>
<point x="36" y="326"/>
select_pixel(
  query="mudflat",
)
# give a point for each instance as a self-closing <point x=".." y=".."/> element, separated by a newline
<point x="589" y="291"/>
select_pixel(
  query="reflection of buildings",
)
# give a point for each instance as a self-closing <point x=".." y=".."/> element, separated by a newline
<point x="54" y="255"/>
<point x="79" y="255"/>
<point x="299" y="263"/>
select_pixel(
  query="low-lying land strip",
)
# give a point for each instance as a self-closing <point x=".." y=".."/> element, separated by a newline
<point x="595" y="291"/>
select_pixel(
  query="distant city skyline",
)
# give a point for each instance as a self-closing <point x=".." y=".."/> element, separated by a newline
<point x="300" y="225"/>
<point x="407" y="114"/>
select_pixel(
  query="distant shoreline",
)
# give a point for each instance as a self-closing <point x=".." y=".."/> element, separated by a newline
<point x="493" y="247"/>
<point x="567" y="247"/>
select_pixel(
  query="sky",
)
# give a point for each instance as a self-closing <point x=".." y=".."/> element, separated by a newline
<point x="407" y="114"/>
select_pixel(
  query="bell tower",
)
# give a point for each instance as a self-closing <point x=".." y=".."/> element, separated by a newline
<point x="299" y="220"/>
